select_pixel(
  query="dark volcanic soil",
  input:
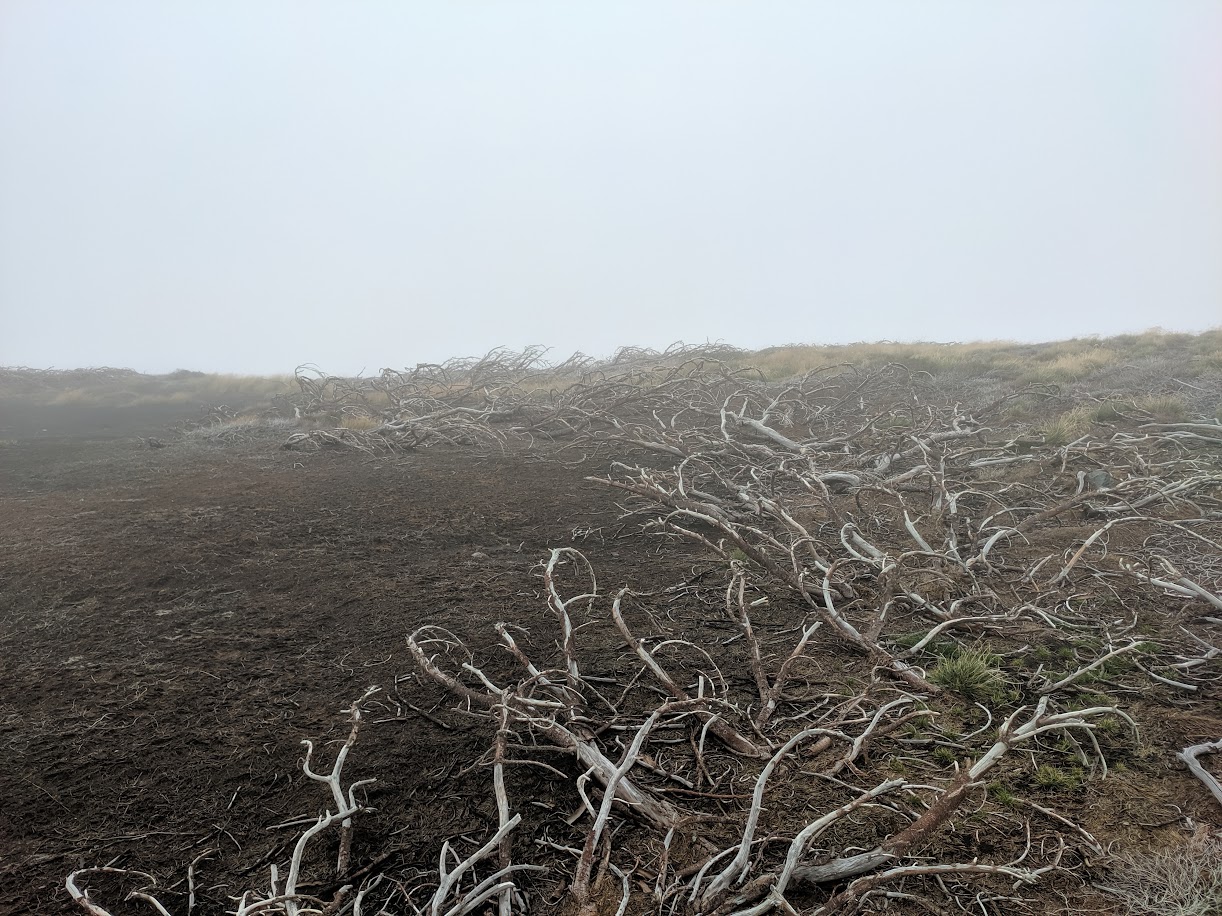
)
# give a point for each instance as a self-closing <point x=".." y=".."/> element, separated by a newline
<point x="173" y="622"/>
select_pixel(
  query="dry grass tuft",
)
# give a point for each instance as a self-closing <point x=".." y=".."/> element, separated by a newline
<point x="1065" y="428"/>
<point x="1108" y="412"/>
<point x="1166" y="408"/>
<point x="1182" y="881"/>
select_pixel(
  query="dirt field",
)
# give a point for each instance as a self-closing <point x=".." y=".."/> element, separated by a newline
<point x="176" y="620"/>
<point x="178" y="614"/>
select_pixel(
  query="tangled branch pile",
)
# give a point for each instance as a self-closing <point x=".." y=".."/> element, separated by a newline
<point x="911" y="602"/>
<point x="22" y="380"/>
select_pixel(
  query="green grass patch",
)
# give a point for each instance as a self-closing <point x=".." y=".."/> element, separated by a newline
<point x="1053" y="779"/>
<point x="973" y="674"/>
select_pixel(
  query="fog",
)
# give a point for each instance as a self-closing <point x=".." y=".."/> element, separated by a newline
<point x="237" y="186"/>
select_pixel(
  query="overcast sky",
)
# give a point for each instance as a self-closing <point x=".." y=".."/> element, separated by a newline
<point x="249" y="185"/>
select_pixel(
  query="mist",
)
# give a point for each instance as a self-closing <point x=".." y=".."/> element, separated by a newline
<point x="246" y="187"/>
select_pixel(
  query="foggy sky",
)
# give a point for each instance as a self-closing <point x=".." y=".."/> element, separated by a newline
<point x="249" y="185"/>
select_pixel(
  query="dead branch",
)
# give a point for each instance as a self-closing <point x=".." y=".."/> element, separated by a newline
<point x="716" y="724"/>
<point x="1189" y="756"/>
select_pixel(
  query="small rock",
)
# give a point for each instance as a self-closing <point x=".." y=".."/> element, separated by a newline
<point x="1100" y="479"/>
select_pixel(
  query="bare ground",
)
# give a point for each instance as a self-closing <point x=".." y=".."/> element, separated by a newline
<point x="176" y="620"/>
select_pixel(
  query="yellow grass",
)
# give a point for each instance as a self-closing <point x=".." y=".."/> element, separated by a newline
<point x="151" y="390"/>
<point x="358" y="422"/>
<point x="1078" y="360"/>
<point x="1054" y="362"/>
<point x="1166" y="408"/>
<point x="1067" y="427"/>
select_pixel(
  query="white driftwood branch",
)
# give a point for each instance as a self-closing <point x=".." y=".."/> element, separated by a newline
<point x="1189" y="756"/>
<point x="80" y="895"/>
